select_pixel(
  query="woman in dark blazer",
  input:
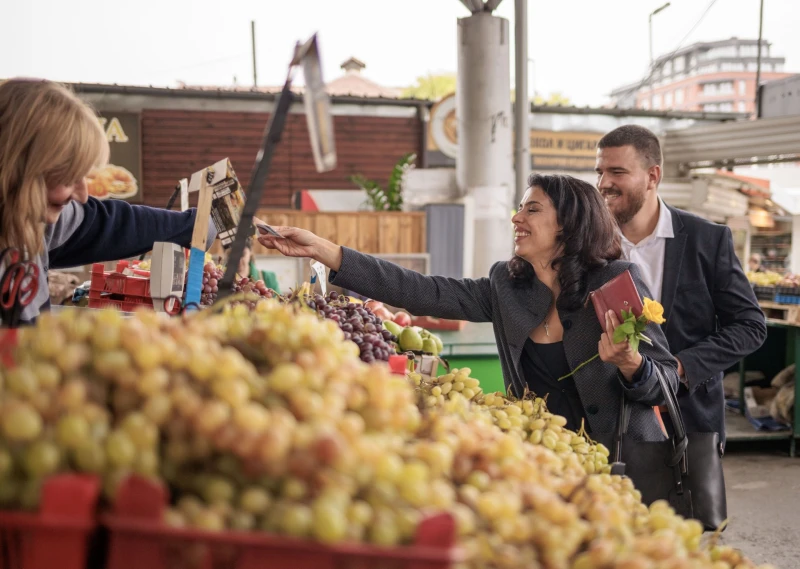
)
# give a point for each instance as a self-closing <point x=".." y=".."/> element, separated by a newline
<point x="566" y="245"/>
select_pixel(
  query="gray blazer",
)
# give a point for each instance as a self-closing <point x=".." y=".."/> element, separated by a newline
<point x="514" y="313"/>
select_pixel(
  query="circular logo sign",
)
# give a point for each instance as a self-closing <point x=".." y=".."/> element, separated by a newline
<point x="444" y="129"/>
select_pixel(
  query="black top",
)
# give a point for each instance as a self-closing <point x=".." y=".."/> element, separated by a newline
<point x="542" y="365"/>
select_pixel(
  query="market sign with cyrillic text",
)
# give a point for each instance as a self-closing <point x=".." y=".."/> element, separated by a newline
<point x="563" y="150"/>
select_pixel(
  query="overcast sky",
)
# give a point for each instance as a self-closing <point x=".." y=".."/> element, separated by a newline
<point x="581" y="48"/>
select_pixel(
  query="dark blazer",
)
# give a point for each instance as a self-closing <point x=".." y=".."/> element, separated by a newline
<point x="514" y="313"/>
<point x="713" y="317"/>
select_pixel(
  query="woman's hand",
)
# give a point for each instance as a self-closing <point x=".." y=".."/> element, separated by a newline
<point x="621" y="355"/>
<point x="296" y="242"/>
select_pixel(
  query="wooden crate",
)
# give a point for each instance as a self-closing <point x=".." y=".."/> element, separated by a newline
<point x="781" y="313"/>
<point x="374" y="232"/>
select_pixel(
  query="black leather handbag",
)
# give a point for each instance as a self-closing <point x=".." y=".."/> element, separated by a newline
<point x="685" y="470"/>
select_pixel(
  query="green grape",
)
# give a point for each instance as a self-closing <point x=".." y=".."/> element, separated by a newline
<point x="384" y="531"/>
<point x="218" y="489"/>
<point x="22" y="381"/>
<point x="90" y="457"/>
<point x="120" y="450"/>
<point x="47" y="375"/>
<point x="142" y="433"/>
<point x="72" y="430"/>
<point x="21" y="423"/>
<point x="254" y="500"/>
<point x="146" y="463"/>
<point x="42" y="458"/>
<point x="233" y="392"/>
<point x="296" y="520"/>
<point x="329" y="522"/>
<point x="173" y="518"/>
<point x="243" y="521"/>
<point x="208" y="520"/>
<point x="147" y="356"/>
<point x="189" y="507"/>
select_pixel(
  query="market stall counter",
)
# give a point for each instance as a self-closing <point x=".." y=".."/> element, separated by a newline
<point x="474" y="347"/>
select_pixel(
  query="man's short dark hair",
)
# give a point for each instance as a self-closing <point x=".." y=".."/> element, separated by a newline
<point x="644" y="141"/>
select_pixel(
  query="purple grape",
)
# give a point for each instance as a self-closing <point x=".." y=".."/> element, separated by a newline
<point x="386" y="334"/>
<point x="369" y="327"/>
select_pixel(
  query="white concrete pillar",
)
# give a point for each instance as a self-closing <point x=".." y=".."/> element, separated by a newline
<point x="485" y="165"/>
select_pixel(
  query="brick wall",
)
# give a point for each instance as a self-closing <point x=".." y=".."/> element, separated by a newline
<point x="176" y="143"/>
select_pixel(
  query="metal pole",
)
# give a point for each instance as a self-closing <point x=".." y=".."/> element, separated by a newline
<point x="758" y="64"/>
<point x="253" y="42"/>
<point x="650" y="78"/>
<point x="650" y="34"/>
<point x="522" y="107"/>
<point x="272" y="137"/>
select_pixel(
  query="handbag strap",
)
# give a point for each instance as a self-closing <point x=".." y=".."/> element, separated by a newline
<point x="680" y="440"/>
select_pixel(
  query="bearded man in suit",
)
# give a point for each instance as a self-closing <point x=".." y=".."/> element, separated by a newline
<point x="688" y="263"/>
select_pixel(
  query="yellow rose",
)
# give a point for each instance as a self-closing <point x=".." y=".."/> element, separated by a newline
<point x="653" y="311"/>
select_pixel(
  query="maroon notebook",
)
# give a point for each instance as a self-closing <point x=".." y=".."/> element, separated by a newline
<point x="618" y="294"/>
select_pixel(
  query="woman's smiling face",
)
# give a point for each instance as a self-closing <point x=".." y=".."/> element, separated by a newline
<point x="535" y="226"/>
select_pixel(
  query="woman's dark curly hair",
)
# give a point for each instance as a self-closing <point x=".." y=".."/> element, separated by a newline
<point x="588" y="237"/>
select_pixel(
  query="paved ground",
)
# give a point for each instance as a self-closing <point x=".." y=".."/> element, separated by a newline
<point x="764" y="503"/>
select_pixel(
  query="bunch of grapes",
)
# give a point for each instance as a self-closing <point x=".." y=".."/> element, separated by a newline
<point x="527" y="418"/>
<point x="246" y="284"/>
<point x="359" y="325"/>
<point x="212" y="275"/>
<point x="267" y="419"/>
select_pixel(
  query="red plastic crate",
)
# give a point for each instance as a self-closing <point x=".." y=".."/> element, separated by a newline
<point x="139" y="540"/>
<point x="58" y="535"/>
<point x="128" y="304"/>
<point x="117" y="283"/>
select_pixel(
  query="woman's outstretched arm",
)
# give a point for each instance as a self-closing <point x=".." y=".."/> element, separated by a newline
<point x="421" y="295"/>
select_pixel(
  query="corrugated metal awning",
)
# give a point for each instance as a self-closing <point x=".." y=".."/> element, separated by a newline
<point x="744" y="142"/>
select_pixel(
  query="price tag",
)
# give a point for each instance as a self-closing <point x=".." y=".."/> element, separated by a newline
<point x="319" y="269"/>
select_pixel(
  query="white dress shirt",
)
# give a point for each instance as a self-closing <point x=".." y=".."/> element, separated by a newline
<point x="648" y="253"/>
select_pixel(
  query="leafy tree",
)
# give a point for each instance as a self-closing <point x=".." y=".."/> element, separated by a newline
<point x="432" y="87"/>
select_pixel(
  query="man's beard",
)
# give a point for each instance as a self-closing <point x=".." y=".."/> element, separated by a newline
<point x="634" y="202"/>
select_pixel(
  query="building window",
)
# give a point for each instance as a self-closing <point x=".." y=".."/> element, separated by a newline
<point x="742" y="106"/>
<point x="779" y="67"/>
<point x="680" y="63"/>
<point x="693" y="61"/>
<point x="732" y="66"/>
<point x="707" y="69"/>
<point x="668" y="68"/>
<point x="721" y="88"/>
<point x="726" y="107"/>
<point x="743" y="87"/>
<point x="752" y="67"/>
<point x="711" y="108"/>
<point x="679" y="96"/>
<point x="656" y="102"/>
<point x="668" y="100"/>
<point x="766" y="67"/>
<point x="748" y="51"/>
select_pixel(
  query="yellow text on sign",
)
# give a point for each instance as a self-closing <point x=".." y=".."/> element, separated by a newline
<point x="114" y="131"/>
